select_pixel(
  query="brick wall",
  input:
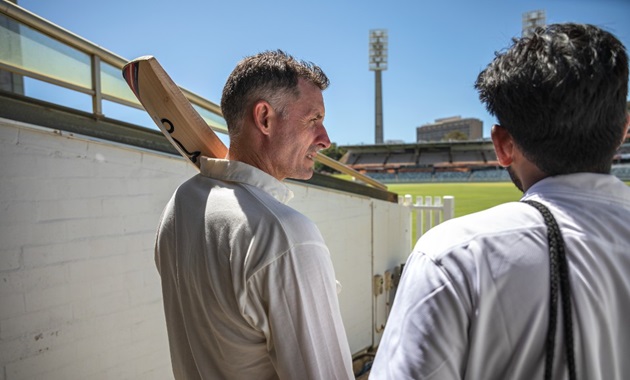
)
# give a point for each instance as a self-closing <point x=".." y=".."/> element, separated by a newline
<point x="80" y="296"/>
<point x="79" y="293"/>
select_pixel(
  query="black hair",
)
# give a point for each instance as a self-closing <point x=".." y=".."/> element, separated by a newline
<point x="561" y="94"/>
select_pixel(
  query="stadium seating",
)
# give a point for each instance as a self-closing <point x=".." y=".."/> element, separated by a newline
<point x="411" y="177"/>
<point x="446" y="163"/>
<point x="451" y="176"/>
<point x="490" y="175"/>
<point x="432" y="158"/>
<point x="621" y="171"/>
<point x="468" y="156"/>
<point x="372" y="158"/>
<point x="402" y="159"/>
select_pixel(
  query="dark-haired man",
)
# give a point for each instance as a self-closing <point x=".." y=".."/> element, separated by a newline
<point x="473" y="302"/>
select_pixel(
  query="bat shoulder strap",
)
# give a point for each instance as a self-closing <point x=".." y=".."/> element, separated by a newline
<point x="559" y="278"/>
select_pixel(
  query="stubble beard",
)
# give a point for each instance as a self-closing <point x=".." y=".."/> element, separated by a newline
<point x="515" y="180"/>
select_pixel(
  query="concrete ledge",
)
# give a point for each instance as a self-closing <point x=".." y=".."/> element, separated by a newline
<point x="33" y="111"/>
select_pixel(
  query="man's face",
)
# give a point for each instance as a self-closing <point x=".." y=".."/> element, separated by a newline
<point x="300" y="134"/>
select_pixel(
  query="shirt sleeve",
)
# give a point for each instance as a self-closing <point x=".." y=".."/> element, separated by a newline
<point x="426" y="332"/>
<point x="295" y="303"/>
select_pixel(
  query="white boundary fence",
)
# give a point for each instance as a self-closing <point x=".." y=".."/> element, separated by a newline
<point x="430" y="211"/>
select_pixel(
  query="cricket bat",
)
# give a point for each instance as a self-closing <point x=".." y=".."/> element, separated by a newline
<point x="181" y="123"/>
<point x="171" y="110"/>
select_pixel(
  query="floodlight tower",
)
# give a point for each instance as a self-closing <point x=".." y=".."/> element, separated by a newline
<point x="378" y="63"/>
<point x="532" y="20"/>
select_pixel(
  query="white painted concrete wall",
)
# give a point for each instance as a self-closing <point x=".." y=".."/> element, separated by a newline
<point x="79" y="293"/>
<point x="365" y="237"/>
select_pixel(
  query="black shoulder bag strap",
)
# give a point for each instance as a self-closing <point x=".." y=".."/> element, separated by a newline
<point x="559" y="277"/>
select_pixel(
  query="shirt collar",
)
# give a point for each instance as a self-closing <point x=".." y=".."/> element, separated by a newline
<point x="236" y="171"/>
<point x="581" y="185"/>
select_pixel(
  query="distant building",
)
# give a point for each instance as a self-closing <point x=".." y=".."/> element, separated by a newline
<point x="450" y="128"/>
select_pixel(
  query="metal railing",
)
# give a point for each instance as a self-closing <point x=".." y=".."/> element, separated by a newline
<point x="34" y="47"/>
<point x="37" y="48"/>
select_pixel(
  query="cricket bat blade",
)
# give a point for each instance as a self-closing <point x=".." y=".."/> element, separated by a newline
<point x="171" y="111"/>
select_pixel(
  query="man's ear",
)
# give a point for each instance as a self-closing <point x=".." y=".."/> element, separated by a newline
<point x="262" y="113"/>
<point x="503" y="145"/>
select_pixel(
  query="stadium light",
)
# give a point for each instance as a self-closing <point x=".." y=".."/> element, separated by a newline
<point x="378" y="63"/>
<point x="533" y="20"/>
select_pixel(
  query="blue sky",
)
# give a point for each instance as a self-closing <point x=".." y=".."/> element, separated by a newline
<point x="436" y="48"/>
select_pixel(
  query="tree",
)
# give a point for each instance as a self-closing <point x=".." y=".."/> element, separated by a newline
<point x="334" y="152"/>
<point x="455" y="135"/>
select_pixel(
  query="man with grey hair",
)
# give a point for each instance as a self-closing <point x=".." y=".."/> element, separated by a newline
<point x="248" y="283"/>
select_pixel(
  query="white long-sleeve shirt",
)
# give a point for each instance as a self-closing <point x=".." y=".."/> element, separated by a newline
<point x="248" y="284"/>
<point x="473" y="302"/>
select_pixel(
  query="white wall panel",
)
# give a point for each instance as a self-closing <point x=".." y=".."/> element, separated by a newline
<point x="79" y="292"/>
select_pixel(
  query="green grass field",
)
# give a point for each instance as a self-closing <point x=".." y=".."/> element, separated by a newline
<point x="469" y="196"/>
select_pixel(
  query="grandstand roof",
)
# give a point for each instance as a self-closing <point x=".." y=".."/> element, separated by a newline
<point x="471" y="144"/>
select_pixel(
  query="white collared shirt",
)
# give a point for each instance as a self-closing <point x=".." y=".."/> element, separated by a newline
<point x="248" y="284"/>
<point x="473" y="299"/>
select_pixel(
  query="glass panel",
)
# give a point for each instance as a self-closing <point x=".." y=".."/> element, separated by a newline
<point x="128" y="114"/>
<point x="113" y="83"/>
<point x="213" y="120"/>
<point x="58" y="95"/>
<point x="35" y="52"/>
<point x="10" y="41"/>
